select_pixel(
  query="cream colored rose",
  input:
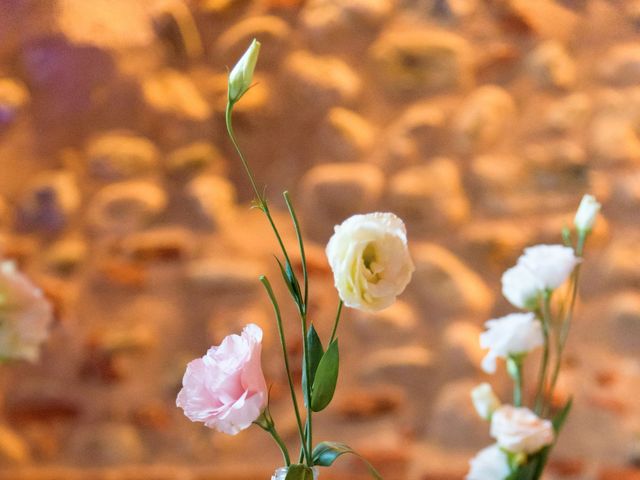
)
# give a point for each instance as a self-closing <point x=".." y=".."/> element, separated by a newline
<point x="514" y="334"/>
<point x="551" y="265"/>
<point x="519" y="430"/>
<point x="521" y="287"/>
<point x="370" y="260"/>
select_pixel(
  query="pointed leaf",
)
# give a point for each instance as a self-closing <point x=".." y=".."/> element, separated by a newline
<point x="326" y="379"/>
<point x="291" y="281"/>
<point x="299" y="472"/>
<point x="561" y="416"/>
<point x="326" y="453"/>
<point x="316" y="351"/>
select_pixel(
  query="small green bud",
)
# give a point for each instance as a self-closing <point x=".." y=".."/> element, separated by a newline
<point x="241" y="75"/>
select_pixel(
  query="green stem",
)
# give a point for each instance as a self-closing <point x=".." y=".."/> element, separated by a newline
<point x="276" y="308"/>
<point x="337" y="322"/>
<point x="262" y="204"/>
<point x="307" y="368"/>
<point x="261" y="200"/>
<point x="281" y="444"/>
<point x="515" y="371"/>
<point x="546" y="321"/>
<point x="245" y="164"/>
<point x="566" y="324"/>
<point x="266" y="423"/>
<point x="302" y="309"/>
<point x="303" y="258"/>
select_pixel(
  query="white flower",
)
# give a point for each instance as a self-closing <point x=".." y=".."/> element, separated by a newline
<point x="485" y="400"/>
<point x="551" y="265"/>
<point x="370" y="260"/>
<point x="490" y="463"/>
<point x="519" y="430"/>
<point x="587" y="212"/>
<point x="241" y="75"/>
<point x="515" y="334"/>
<point x="25" y="315"/>
<point x="520" y="287"/>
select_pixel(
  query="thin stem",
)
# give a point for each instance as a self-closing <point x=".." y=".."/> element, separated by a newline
<point x="515" y="370"/>
<point x="245" y="164"/>
<point x="303" y="258"/>
<point x="307" y="368"/>
<point x="305" y="436"/>
<point x="261" y="200"/>
<point x="546" y="321"/>
<point x="283" y="342"/>
<point x="281" y="444"/>
<point x="337" y="321"/>
<point x="302" y="308"/>
<point x="270" y="427"/>
<point x="566" y="324"/>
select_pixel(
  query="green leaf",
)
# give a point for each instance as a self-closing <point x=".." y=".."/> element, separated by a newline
<point x="326" y="453"/>
<point x="299" y="472"/>
<point x="316" y="351"/>
<point x="561" y="416"/>
<point x="291" y="281"/>
<point x="326" y="379"/>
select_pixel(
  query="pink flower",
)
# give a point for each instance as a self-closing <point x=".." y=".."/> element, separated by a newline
<point x="226" y="389"/>
<point x="25" y="315"/>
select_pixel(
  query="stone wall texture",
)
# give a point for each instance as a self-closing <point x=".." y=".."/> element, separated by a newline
<point x="480" y="122"/>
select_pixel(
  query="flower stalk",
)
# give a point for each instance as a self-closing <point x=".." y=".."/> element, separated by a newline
<point x="525" y="438"/>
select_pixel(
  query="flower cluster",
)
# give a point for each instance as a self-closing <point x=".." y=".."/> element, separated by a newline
<point x="524" y="437"/>
<point x="226" y="389"/>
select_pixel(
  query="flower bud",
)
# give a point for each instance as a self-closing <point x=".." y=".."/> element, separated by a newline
<point x="241" y="75"/>
<point x="485" y="400"/>
<point x="586" y="214"/>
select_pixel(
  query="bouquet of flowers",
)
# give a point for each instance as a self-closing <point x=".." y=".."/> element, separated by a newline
<point x="226" y="389"/>
<point x="525" y="435"/>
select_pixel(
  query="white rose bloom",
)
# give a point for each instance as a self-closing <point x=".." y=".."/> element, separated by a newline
<point x="520" y="287"/>
<point x="25" y="315"/>
<point x="587" y="212"/>
<point x="485" y="400"/>
<point x="519" y="430"/>
<point x="370" y="260"/>
<point x="515" y="334"/>
<point x="551" y="265"/>
<point x="490" y="463"/>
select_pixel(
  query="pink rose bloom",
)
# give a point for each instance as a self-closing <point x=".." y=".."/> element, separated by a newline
<point x="25" y="315"/>
<point x="226" y="389"/>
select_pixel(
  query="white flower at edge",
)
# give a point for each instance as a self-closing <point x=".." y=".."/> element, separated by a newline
<point x="515" y="334"/>
<point x="520" y="287"/>
<point x="370" y="260"/>
<point x="519" y="430"/>
<point x="241" y="75"/>
<point x="490" y="463"/>
<point x="551" y="265"/>
<point x="25" y="315"/>
<point x="586" y="214"/>
<point x="485" y="400"/>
